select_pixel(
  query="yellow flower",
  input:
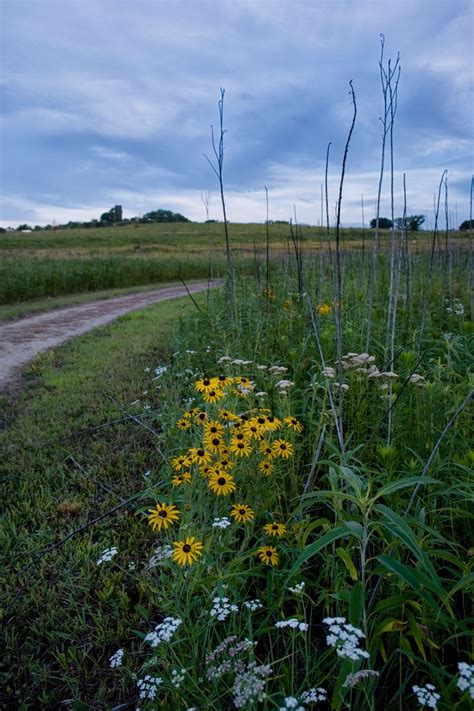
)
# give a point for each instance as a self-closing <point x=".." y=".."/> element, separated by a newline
<point x="268" y="293"/>
<point x="222" y="380"/>
<point x="227" y="415"/>
<point x="214" y="443"/>
<point x="206" y="470"/>
<point x="323" y="309"/>
<point x="200" y="417"/>
<point x="253" y="429"/>
<point x="242" y="513"/>
<point x="268" y="555"/>
<point x="183" y="478"/>
<point x="204" y="384"/>
<point x="241" y="447"/>
<point x="293" y="423"/>
<point x="199" y="456"/>
<point x="273" y="423"/>
<point x="213" y="395"/>
<point x="213" y="427"/>
<point x="265" y="467"/>
<point x="183" y="424"/>
<point x="162" y="516"/>
<point x="265" y="449"/>
<point x="221" y="483"/>
<point x="181" y="462"/>
<point x="225" y="462"/>
<point x="282" y="448"/>
<point x="274" y="529"/>
<point x="187" y="551"/>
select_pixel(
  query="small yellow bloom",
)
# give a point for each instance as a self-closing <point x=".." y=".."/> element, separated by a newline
<point x="282" y="448"/>
<point x="323" y="309"/>
<point x="199" y="455"/>
<point x="214" y="443"/>
<point x="242" y="513"/>
<point x="162" y="516"/>
<point x="293" y="423"/>
<point x="206" y="470"/>
<point x="221" y="483"/>
<point x="268" y="555"/>
<point x="272" y="423"/>
<point x="187" y="552"/>
<point x="183" y="478"/>
<point x="222" y="380"/>
<point x="181" y="462"/>
<point x="252" y="429"/>
<point x="200" y="417"/>
<point x="203" y="385"/>
<point x="265" y="467"/>
<point x="274" y="529"/>
<point x="213" y="427"/>
<point x="265" y="449"/>
<point x="241" y="447"/>
<point x="212" y="396"/>
<point x="227" y="415"/>
<point x="183" y="424"/>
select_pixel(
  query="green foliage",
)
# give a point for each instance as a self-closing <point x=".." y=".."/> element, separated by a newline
<point x="412" y="223"/>
<point x="384" y="223"/>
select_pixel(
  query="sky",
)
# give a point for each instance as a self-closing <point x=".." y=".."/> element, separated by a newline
<point x="107" y="102"/>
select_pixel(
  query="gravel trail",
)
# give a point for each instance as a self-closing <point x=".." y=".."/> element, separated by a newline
<point x="21" y="340"/>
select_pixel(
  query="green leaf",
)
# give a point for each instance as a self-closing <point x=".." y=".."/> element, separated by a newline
<point x="347" y="560"/>
<point x="403" y="484"/>
<point x="317" y="546"/>
<point x="411" y="577"/>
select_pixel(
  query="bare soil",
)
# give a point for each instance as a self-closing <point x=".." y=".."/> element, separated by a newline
<point x="23" y="339"/>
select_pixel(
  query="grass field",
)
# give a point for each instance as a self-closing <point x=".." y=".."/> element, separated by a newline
<point x="321" y="493"/>
<point x="51" y="264"/>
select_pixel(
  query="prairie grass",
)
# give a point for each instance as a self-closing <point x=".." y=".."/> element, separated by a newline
<point x="377" y="534"/>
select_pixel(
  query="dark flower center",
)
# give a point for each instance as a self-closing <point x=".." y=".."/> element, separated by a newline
<point x="242" y="512"/>
<point x="239" y="435"/>
<point x="213" y="430"/>
<point x="275" y="527"/>
<point x="240" y="445"/>
<point x="212" y="393"/>
<point x="202" y="416"/>
<point x="200" y="453"/>
<point x="221" y="481"/>
<point x="186" y="548"/>
<point x="216" y="441"/>
<point x="268" y="553"/>
<point x="163" y="514"/>
<point x="261" y="420"/>
<point x="206" y="381"/>
<point x="222" y="378"/>
<point x="282" y="445"/>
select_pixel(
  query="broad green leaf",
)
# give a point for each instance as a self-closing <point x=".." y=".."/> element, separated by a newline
<point x="403" y="484"/>
<point x="317" y="546"/>
<point x="347" y="560"/>
<point x="411" y="577"/>
<point x="356" y="604"/>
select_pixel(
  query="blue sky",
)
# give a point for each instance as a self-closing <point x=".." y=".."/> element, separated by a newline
<point x="110" y="102"/>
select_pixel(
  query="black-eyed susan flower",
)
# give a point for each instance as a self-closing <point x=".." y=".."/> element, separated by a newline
<point x="181" y="462"/>
<point x="179" y="479"/>
<point x="245" y="382"/>
<point x="199" y="456"/>
<point x="183" y="424"/>
<point x="214" y="443"/>
<point x="293" y="424"/>
<point x="274" y="529"/>
<point x="242" y="513"/>
<point x="225" y="462"/>
<point x="240" y="447"/>
<point x="212" y="396"/>
<point x="162" y="516"/>
<point x="268" y="555"/>
<point x="273" y="423"/>
<point x="227" y="415"/>
<point x="265" y="467"/>
<point x="282" y="448"/>
<point x="221" y="483"/>
<point x="213" y="427"/>
<point x="323" y="309"/>
<point x="223" y="380"/>
<point x="203" y="385"/>
<point x="187" y="552"/>
<point x="265" y="448"/>
<point x="206" y="470"/>
<point x="200" y="418"/>
<point x="252" y="429"/>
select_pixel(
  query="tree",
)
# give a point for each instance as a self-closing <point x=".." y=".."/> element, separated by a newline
<point x="467" y="225"/>
<point x="163" y="216"/>
<point x="384" y="223"/>
<point x="412" y="223"/>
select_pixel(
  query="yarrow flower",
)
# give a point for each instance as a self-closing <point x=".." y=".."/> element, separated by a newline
<point x="345" y="639"/>
<point x="221" y="608"/>
<point x="291" y="702"/>
<point x="223" y="522"/>
<point x="249" y="684"/>
<point x="161" y="553"/>
<point x="314" y="696"/>
<point x="427" y="695"/>
<point x="297" y="589"/>
<point x="253" y="605"/>
<point x="293" y="623"/>
<point x="353" y="679"/>
<point x="177" y="677"/>
<point x="164" y="631"/>
<point x="107" y="555"/>
<point x="116" y="659"/>
<point x="148" y="686"/>
<point x="466" y="678"/>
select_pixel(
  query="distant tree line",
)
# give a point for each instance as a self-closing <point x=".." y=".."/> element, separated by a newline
<point x="112" y="217"/>
<point x="411" y="223"/>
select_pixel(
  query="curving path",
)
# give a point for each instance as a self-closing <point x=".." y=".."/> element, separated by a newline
<point x="21" y="340"/>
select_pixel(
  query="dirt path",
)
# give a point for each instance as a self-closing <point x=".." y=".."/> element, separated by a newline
<point x="23" y="339"/>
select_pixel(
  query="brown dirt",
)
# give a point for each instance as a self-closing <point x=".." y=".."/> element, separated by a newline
<point x="23" y="339"/>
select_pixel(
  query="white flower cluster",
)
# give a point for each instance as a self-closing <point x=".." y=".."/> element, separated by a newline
<point x="107" y="555"/>
<point x="290" y="702"/>
<point x="161" y="553"/>
<point x="345" y="639"/>
<point x="116" y="659"/>
<point x="297" y="589"/>
<point x="148" y="686"/>
<point x="249" y="684"/>
<point x="221" y="608"/>
<point x="160" y="371"/>
<point x="227" y="657"/>
<point x="314" y="696"/>
<point x="427" y="695"/>
<point x="293" y="623"/>
<point x="284" y="385"/>
<point x="329" y="372"/>
<point x="164" y="631"/>
<point x="253" y="605"/>
<point x="353" y="679"/>
<point x="416" y="379"/>
<point x="466" y="678"/>
<point x="457" y="308"/>
<point x="223" y="522"/>
<point x="177" y="677"/>
<point x="280" y="369"/>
